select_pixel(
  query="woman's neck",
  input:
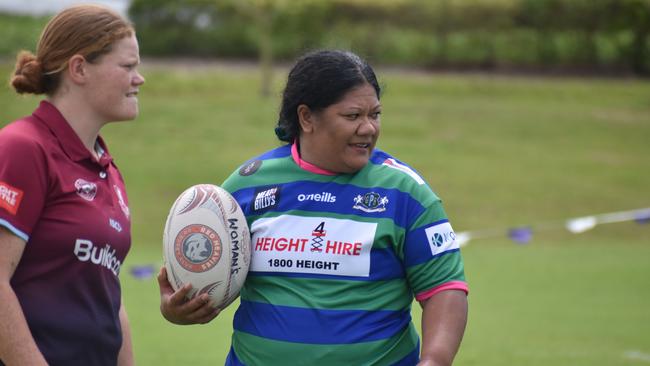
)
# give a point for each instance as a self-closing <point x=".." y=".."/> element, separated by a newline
<point x="81" y="120"/>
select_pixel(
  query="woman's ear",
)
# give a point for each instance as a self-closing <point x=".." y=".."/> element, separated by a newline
<point x="77" y="69"/>
<point x="305" y="118"/>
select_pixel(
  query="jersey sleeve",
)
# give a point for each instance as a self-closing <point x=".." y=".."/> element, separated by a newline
<point x="23" y="183"/>
<point x="432" y="257"/>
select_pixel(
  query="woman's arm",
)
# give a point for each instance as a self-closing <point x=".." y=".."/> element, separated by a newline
<point x="17" y="346"/>
<point x="444" y="316"/>
<point x="125" y="357"/>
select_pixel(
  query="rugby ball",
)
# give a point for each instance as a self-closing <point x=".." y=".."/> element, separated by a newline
<point x="206" y="242"/>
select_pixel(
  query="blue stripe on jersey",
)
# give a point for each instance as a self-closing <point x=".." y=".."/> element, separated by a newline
<point x="318" y="326"/>
<point x="232" y="359"/>
<point x="14" y="230"/>
<point x="411" y="359"/>
<point x="280" y="152"/>
<point x="385" y="266"/>
<point x="401" y="214"/>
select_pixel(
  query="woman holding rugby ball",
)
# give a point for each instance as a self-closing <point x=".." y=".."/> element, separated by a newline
<point x="64" y="215"/>
<point x="344" y="238"/>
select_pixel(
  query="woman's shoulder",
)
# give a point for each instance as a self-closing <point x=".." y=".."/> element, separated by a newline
<point x="25" y="132"/>
<point x="247" y="172"/>
<point x="388" y="171"/>
<point x="395" y="168"/>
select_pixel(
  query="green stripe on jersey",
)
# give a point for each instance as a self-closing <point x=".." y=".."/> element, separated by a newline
<point x="435" y="272"/>
<point x="253" y="350"/>
<point x="331" y="294"/>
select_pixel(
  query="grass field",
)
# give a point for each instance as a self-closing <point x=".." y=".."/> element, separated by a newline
<point x="501" y="151"/>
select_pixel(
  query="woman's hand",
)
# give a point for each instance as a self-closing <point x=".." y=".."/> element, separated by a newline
<point x="177" y="309"/>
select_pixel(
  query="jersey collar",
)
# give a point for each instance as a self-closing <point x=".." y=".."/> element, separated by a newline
<point x="305" y="165"/>
<point x="68" y="139"/>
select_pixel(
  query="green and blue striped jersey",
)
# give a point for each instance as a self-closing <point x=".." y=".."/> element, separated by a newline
<point x="337" y="261"/>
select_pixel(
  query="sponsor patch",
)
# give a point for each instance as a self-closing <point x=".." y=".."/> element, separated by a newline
<point x="250" y="168"/>
<point x="441" y="238"/>
<point x="295" y="244"/>
<point x="10" y="198"/>
<point x="197" y="248"/>
<point x="370" y="202"/>
<point x="265" y="199"/>
<point x="85" y="189"/>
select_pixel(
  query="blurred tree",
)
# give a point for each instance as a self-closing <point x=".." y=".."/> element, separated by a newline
<point x="545" y="34"/>
<point x="265" y="14"/>
<point x="634" y="16"/>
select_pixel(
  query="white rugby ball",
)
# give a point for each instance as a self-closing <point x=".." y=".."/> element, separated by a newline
<point x="206" y="242"/>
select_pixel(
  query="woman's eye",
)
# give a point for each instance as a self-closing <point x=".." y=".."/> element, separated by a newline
<point x="352" y="116"/>
<point x="375" y="115"/>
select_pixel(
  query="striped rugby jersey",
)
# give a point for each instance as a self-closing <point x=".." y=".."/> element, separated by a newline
<point x="336" y="262"/>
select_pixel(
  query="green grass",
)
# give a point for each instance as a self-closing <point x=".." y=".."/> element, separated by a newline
<point x="19" y="32"/>
<point x="501" y="151"/>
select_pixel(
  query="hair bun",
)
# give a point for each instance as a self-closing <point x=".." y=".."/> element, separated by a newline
<point x="28" y="75"/>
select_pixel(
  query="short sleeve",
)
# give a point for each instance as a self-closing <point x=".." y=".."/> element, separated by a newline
<point x="432" y="255"/>
<point x="23" y="183"/>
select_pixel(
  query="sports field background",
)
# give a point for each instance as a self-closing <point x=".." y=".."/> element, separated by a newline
<point x="502" y="151"/>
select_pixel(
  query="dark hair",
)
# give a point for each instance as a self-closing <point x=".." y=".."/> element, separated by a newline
<point x="318" y="80"/>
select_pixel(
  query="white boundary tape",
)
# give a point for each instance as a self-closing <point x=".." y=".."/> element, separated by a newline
<point x="575" y="225"/>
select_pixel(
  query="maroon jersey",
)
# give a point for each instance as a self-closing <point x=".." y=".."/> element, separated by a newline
<point x="72" y="211"/>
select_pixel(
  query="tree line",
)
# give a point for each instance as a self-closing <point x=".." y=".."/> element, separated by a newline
<point x="581" y="35"/>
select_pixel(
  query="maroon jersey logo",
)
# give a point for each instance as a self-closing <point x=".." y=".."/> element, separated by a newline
<point x="85" y="189"/>
<point x="122" y="202"/>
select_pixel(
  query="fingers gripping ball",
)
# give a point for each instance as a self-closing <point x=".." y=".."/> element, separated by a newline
<point x="206" y="242"/>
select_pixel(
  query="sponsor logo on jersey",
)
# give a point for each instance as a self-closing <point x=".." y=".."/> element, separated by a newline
<point x="392" y="163"/>
<point x="297" y="244"/>
<point x="325" y="197"/>
<point x="250" y="168"/>
<point x="370" y="202"/>
<point x="265" y="199"/>
<point x="115" y="225"/>
<point x="10" y="197"/>
<point x="197" y="248"/>
<point x="441" y="238"/>
<point x="86" y="251"/>
<point x="121" y="201"/>
<point x="85" y="189"/>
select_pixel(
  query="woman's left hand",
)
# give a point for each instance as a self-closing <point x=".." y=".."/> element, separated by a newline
<point x="177" y="309"/>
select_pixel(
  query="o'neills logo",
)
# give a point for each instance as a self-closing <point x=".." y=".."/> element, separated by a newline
<point x="10" y="197"/>
<point x="85" y="251"/>
<point x="197" y="248"/>
<point x="265" y="199"/>
<point x="85" y="189"/>
<point x="317" y="197"/>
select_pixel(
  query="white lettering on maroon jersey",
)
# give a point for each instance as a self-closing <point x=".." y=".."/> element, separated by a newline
<point x="10" y="197"/>
<point x="86" y="251"/>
